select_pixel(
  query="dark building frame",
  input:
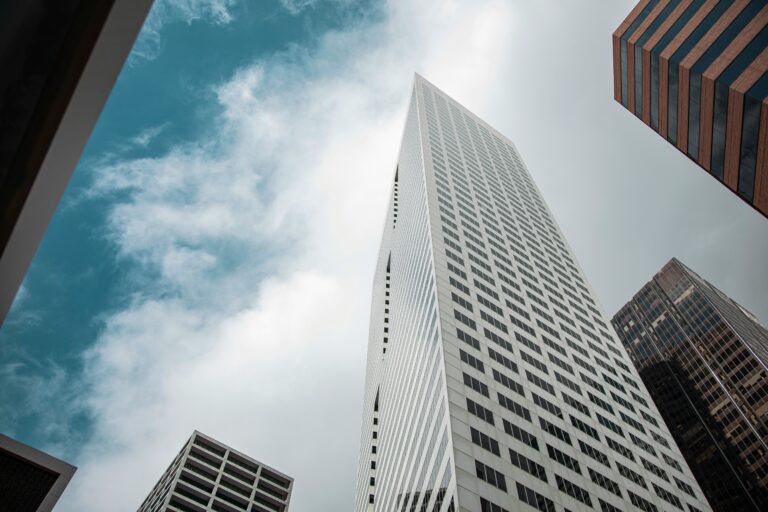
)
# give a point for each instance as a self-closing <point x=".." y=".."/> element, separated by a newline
<point x="59" y="61"/>
<point x="54" y="476"/>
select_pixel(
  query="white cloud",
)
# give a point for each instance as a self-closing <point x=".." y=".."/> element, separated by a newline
<point x="261" y="240"/>
<point x="30" y="391"/>
<point x="296" y="6"/>
<point x="163" y="12"/>
<point x="147" y="135"/>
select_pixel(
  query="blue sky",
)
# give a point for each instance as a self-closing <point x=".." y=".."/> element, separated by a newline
<point x="209" y="266"/>
<point x="161" y="98"/>
<point x="79" y="277"/>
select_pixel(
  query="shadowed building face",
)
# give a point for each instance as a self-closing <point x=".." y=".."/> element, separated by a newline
<point x="703" y="359"/>
<point x="30" y="480"/>
<point x="695" y="72"/>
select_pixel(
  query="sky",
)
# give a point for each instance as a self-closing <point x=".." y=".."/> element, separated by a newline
<point x="210" y="264"/>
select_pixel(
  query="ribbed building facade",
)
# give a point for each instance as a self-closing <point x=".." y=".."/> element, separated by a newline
<point x="494" y="382"/>
<point x="207" y="475"/>
<point x="695" y="71"/>
<point x="704" y="360"/>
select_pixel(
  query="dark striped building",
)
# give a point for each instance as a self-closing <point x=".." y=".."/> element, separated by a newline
<point x="695" y="71"/>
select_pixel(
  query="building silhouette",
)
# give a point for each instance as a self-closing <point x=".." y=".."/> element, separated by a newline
<point x="696" y="73"/>
<point x="207" y="475"/>
<point x="493" y="379"/>
<point x="703" y="359"/>
<point x="30" y="480"/>
<point x="59" y="61"/>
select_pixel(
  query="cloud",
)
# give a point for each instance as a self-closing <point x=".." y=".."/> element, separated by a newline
<point x="31" y="386"/>
<point x="164" y="12"/>
<point x="296" y="6"/>
<point x="24" y="314"/>
<point x="146" y="136"/>
<point x="255" y="246"/>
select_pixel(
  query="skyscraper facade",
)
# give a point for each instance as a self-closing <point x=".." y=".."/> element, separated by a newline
<point x="704" y="359"/>
<point x="696" y="72"/>
<point x="494" y="382"/>
<point x="207" y="475"/>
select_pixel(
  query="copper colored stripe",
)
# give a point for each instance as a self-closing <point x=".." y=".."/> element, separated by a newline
<point x="688" y="28"/>
<point x="713" y="71"/>
<point x="663" y="91"/>
<point x="733" y="138"/>
<point x="631" y="45"/>
<point x="713" y="33"/>
<point x="631" y="76"/>
<point x="741" y="41"/>
<point x="647" y="21"/>
<point x="705" y="123"/>
<point x="761" y="168"/>
<point x="752" y="73"/>
<point x="646" y="86"/>
<point x="682" y="109"/>
<point x="742" y="84"/>
<point x="667" y="23"/>
<point x="616" y="69"/>
<point x="663" y="69"/>
<point x="633" y="14"/>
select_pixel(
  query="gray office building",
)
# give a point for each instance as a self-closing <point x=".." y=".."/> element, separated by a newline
<point x="30" y="480"/>
<point x="704" y="359"/>
<point x="207" y="475"/>
<point x="494" y="381"/>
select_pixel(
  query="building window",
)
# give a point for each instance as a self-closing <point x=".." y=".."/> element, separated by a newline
<point x="672" y="87"/>
<point x="534" y="499"/>
<point x="719" y="121"/>
<point x="749" y="137"/>
<point x="490" y="475"/>
<point x="694" y="114"/>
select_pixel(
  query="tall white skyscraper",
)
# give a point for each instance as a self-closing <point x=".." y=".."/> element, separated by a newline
<point x="494" y="382"/>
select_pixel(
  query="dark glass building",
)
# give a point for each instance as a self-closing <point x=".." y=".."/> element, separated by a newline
<point x="695" y="72"/>
<point x="704" y="360"/>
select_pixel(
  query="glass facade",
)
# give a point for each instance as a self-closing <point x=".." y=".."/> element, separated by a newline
<point x="494" y="381"/>
<point x="716" y="84"/>
<point x="704" y="361"/>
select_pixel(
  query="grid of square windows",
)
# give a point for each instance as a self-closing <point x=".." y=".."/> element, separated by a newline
<point x="494" y="217"/>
